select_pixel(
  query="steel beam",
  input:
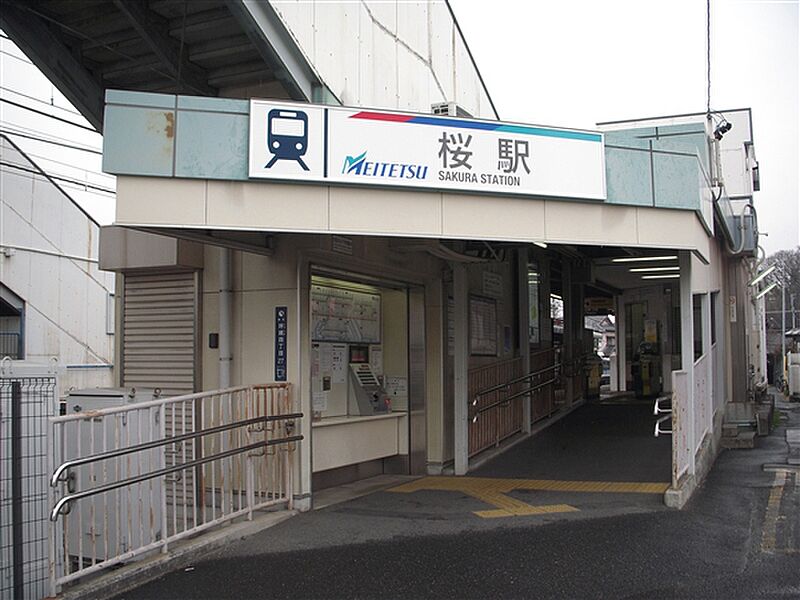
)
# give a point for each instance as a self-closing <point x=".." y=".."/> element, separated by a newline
<point x="154" y="30"/>
<point x="276" y="46"/>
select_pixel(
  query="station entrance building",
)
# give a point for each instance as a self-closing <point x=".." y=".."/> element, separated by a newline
<point x="424" y="317"/>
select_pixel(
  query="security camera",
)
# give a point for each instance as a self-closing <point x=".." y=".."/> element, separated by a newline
<point x="722" y="129"/>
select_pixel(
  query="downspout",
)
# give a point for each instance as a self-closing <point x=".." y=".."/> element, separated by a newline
<point x="225" y="318"/>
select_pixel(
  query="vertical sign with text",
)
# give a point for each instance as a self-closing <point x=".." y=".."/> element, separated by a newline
<point x="280" y="343"/>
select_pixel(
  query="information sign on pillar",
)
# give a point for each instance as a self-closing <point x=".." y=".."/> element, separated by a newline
<point x="280" y="343"/>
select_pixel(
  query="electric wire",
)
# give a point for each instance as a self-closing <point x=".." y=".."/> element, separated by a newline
<point x="15" y="57"/>
<point x="45" y="102"/>
<point x="708" y="57"/>
<point x="44" y="114"/>
<point x="53" y="142"/>
<point x="70" y="165"/>
<point x="75" y="182"/>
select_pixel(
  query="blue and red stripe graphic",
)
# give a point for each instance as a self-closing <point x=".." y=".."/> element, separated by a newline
<point x="482" y="125"/>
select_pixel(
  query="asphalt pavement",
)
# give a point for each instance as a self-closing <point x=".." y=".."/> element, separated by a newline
<point x="739" y="537"/>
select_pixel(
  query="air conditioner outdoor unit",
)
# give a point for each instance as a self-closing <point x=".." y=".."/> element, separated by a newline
<point x="449" y="109"/>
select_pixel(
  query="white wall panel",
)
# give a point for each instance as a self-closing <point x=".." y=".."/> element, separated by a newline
<point x="48" y="210"/>
<point x="366" y="55"/>
<point x="381" y="89"/>
<point x="298" y="15"/>
<point x="385" y="13"/>
<point x="17" y="231"/>
<point x="336" y="27"/>
<point x="354" y="46"/>
<point x="441" y="32"/>
<point x="412" y="26"/>
<point x="16" y="190"/>
<point x="408" y="66"/>
<point x="466" y="88"/>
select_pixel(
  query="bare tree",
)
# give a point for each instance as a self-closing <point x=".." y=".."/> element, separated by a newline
<point x="786" y="274"/>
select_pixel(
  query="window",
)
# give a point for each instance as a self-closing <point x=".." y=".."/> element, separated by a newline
<point x="111" y="312"/>
<point x="12" y="310"/>
<point x="714" y="300"/>
<point x="697" y="318"/>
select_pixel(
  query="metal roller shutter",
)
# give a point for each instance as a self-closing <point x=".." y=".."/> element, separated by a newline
<point x="159" y="331"/>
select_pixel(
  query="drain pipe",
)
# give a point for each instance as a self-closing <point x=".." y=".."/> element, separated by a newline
<point x="225" y="318"/>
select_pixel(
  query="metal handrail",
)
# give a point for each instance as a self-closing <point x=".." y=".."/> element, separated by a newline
<point x="667" y="412"/>
<point x="477" y="411"/>
<point x="507" y="384"/>
<point x="657" y="410"/>
<point x="658" y="431"/>
<point x="66" y="500"/>
<point x="65" y="466"/>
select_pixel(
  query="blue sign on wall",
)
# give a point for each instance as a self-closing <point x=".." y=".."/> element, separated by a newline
<point x="280" y="343"/>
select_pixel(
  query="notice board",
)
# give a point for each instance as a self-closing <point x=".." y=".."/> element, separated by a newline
<point x="482" y="326"/>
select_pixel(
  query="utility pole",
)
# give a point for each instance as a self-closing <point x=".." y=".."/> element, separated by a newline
<point x="783" y="329"/>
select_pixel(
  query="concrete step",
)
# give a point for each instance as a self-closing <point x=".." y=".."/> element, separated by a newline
<point x="793" y="441"/>
<point x="730" y="430"/>
<point x="745" y="439"/>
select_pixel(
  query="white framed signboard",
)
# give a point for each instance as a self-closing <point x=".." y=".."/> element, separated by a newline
<point x="305" y="142"/>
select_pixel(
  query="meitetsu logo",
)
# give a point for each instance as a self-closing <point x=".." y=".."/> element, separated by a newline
<point x="359" y="165"/>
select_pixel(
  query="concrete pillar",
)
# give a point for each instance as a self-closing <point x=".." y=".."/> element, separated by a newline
<point x="225" y="317"/>
<point x="569" y="332"/>
<point x="687" y="350"/>
<point x="706" y="312"/>
<point x="622" y="383"/>
<point x="524" y="317"/>
<point x="460" y="368"/>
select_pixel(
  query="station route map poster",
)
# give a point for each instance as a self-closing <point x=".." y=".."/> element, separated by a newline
<point x="342" y="315"/>
<point x="482" y="326"/>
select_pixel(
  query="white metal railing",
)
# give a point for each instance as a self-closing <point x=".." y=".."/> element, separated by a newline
<point x="702" y="400"/>
<point x="681" y="450"/>
<point x="132" y="479"/>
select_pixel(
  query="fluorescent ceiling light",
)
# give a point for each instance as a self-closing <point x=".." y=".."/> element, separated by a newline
<point x="761" y="275"/>
<point x="540" y="244"/>
<point x="642" y="258"/>
<point x="766" y="290"/>
<point x="556" y="297"/>
<point x="649" y="269"/>
<point x="672" y="276"/>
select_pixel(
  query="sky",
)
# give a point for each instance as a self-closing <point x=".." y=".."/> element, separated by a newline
<point x="580" y="62"/>
<point x="567" y="63"/>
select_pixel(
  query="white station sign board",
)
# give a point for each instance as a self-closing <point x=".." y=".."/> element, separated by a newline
<point x="379" y="148"/>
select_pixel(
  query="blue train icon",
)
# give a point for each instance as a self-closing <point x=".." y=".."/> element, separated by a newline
<point x="287" y="136"/>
